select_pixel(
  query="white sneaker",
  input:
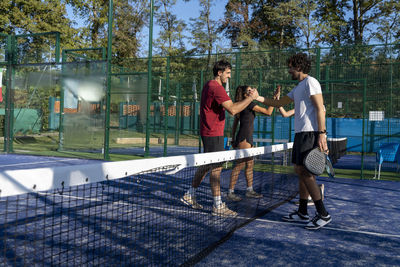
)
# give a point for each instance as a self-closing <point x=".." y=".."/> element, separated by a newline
<point x="223" y="211"/>
<point x="253" y="194"/>
<point x="296" y="216"/>
<point x="233" y="197"/>
<point x="318" y="221"/>
<point x="191" y="201"/>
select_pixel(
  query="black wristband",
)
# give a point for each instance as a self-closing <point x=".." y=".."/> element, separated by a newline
<point x="323" y="132"/>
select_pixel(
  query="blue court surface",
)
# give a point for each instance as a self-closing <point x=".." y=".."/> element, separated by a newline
<point x="137" y="220"/>
<point x="365" y="231"/>
<point x="15" y="161"/>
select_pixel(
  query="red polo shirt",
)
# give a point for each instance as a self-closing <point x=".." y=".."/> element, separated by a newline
<point x="212" y="114"/>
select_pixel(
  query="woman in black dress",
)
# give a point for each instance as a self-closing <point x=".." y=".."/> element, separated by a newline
<point x="244" y="139"/>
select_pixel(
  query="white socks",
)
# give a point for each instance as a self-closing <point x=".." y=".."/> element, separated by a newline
<point x="250" y="188"/>
<point x="217" y="201"/>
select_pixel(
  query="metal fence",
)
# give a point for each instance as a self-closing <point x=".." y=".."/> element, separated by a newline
<point x="70" y="103"/>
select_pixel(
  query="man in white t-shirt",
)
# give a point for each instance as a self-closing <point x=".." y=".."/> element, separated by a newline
<point x="310" y="132"/>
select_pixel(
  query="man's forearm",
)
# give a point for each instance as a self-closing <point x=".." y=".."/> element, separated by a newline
<point x="241" y="105"/>
<point x="275" y="103"/>
<point x="321" y="120"/>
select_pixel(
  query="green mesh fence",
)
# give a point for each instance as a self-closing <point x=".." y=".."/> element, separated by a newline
<point x="357" y="83"/>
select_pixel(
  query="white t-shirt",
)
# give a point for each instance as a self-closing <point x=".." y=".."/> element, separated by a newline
<point x="305" y="115"/>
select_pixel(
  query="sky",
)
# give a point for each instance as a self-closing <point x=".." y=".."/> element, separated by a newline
<point x="183" y="10"/>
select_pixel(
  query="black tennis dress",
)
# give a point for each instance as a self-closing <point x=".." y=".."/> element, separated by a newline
<point x="246" y="127"/>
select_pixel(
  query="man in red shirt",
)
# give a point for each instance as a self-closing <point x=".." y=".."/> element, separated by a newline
<point x="214" y="102"/>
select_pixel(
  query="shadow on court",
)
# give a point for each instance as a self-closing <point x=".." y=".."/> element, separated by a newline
<point x="132" y="221"/>
<point x="365" y="231"/>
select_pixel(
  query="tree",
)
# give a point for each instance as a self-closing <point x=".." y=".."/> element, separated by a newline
<point x="29" y="16"/>
<point x="95" y="14"/>
<point x="204" y="30"/>
<point x="333" y="27"/>
<point x="171" y="38"/>
<point x="237" y="24"/>
<point x="364" y="13"/>
<point x="388" y="25"/>
<point x="305" y="21"/>
<point x="129" y="18"/>
<point x="276" y="23"/>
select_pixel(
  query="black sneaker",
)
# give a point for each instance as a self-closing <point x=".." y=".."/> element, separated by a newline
<point x="318" y="221"/>
<point x="296" y="216"/>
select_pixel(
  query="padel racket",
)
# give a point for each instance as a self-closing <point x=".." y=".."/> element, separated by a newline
<point x="315" y="161"/>
<point x="329" y="168"/>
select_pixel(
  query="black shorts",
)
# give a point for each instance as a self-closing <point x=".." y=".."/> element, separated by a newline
<point x="213" y="143"/>
<point x="303" y="143"/>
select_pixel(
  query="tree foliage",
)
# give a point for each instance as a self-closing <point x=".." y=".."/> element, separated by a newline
<point x="26" y="17"/>
<point x="171" y="37"/>
<point x="237" y="24"/>
<point x="129" y="19"/>
<point x="330" y="16"/>
<point x="261" y="23"/>
<point x="204" y="28"/>
<point x="388" y="28"/>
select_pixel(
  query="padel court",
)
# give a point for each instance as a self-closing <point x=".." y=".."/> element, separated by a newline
<point x="137" y="220"/>
<point x="141" y="218"/>
<point x="364" y="231"/>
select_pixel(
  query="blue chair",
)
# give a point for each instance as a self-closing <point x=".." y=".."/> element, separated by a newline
<point x="388" y="152"/>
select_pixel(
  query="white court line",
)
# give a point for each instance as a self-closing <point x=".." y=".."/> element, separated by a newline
<point x="69" y="196"/>
<point x="336" y="229"/>
<point x="37" y="162"/>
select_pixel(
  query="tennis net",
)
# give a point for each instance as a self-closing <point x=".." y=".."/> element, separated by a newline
<point x="129" y="212"/>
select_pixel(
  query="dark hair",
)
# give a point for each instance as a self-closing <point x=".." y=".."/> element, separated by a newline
<point x="300" y="61"/>
<point x="221" y="65"/>
<point x="241" y="92"/>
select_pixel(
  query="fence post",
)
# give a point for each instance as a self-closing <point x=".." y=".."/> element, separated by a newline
<point x="9" y="110"/>
<point x="318" y="64"/>
<point x="166" y="107"/>
<point x="108" y="90"/>
<point x="149" y="77"/>
<point x="363" y="128"/>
